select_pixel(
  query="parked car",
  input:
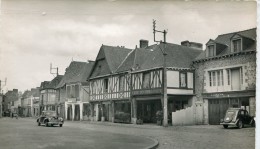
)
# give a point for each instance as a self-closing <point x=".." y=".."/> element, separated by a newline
<point x="237" y="117"/>
<point x="50" y="118"/>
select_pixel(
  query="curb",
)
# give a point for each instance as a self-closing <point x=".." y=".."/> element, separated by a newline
<point x="153" y="146"/>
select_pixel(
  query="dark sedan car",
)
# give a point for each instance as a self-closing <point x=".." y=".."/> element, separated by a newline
<point x="50" y="118"/>
<point x="237" y="117"/>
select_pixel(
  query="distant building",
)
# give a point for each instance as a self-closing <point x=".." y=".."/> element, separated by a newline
<point x="48" y="94"/>
<point x="10" y="102"/>
<point x="73" y="91"/>
<point x="1" y="105"/>
<point x="226" y="75"/>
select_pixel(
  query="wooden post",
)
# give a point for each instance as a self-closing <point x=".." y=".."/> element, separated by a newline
<point x="165" y="98"/>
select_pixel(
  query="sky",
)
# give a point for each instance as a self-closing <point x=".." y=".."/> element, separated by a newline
<point x="35" y="33"/>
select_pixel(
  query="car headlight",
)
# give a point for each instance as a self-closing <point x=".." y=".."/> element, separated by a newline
<point x="61" y="119"/>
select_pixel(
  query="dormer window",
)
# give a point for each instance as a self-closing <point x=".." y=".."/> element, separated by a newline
<point x="236" y="45"/>
<point x="211" y="51"/>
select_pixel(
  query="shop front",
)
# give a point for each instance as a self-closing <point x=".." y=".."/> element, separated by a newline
<point x="218" y="103"/>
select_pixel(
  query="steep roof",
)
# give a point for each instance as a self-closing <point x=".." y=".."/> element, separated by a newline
<point x="225" y="39"/>
<point x="76" y="72"/>
<point x="54" y="82"/>
<point x="151" y="57"/>
<point x="108" y="60"/>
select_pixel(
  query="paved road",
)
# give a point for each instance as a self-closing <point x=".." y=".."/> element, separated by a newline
<point x="25" y="134"/>
<point x="113" y="134"/>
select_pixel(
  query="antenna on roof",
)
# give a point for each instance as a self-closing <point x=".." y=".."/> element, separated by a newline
<point x="55" y="68"/>
<point x="155" y="31"/>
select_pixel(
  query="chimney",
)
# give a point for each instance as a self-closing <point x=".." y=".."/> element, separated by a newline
<point x="192" y="44"/>
<point x="144" y="43"/>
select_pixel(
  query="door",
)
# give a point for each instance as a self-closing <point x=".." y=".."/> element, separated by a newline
<point x="214" y="112"/>
<point x="235" y="79"/>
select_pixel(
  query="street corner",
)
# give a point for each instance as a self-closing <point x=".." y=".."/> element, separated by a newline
<point x="154" y="145"/>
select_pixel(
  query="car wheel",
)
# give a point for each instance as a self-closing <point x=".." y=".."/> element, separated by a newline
<point x="225" y="126"/>
<point x="60" y="125"/>
<point x="240" y="124"/>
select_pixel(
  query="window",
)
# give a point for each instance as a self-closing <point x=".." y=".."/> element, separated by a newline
<point x="241" y="74"/>
<point x="68" y="91"/>
<point x="236" y="45"/>
<point x="146" y="80"/>
<point x="210" y="79"/>
<point x="228" y="76"/>
<point x="77" y="91"/>
<point x="183" y="80"/>
<point x="216" y="78"/>
<point x="220" y="78"/>
<point x="106" y="85"/>
<point x="121" y="83"/>
<point x="211" y="51"/>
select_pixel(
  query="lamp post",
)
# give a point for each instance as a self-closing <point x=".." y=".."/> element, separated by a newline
<point x="164" y="94"/>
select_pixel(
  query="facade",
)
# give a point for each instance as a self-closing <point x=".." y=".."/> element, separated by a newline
<point x="73" y="92"/>
<point x="107" y="96"/>
<point x="1" y="105"/>
<point x="48" y="94"/>
<point x="144" y="81"/>
<point x="11" y="102"/>
<point x="29" y="105"/>
<point x="226" y="75"/>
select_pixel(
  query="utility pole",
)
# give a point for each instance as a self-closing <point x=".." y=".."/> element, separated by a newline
<point x="164" y="89"/>
<point x="55" y="68"/>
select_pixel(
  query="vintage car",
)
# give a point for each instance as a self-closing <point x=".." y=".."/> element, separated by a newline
<point x="237" y="117"/>
<point x="50" y="118"/>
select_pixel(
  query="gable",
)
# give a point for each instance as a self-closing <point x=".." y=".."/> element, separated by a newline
<point x="101" y="68"/>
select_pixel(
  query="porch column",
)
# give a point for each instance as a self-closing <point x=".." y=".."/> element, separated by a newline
<point x="81" y="111"/>
<point x="66" y="111"/>
<point x="134" y="110"/>
<point x="73" y="111"/>
<point x="113" y="111"/>
<point x="92" y="111"/>
<point x="102" y="112"/>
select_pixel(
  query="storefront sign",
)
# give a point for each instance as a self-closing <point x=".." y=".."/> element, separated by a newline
<point x="229" y="94"/>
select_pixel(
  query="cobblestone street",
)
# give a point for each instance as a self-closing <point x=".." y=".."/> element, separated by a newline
<point x="172" y="137"/>
<point x="182" y="137"/>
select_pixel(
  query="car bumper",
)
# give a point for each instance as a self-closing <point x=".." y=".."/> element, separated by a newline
<point x="230" y="124"/>
<point x="55" y="123"/>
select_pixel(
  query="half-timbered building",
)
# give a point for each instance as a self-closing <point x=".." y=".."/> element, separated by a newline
<point x="147" y="66"/>
<point x="131" y="82"/>
<point x="110" y="91"/>
<point x="226" y="74"/>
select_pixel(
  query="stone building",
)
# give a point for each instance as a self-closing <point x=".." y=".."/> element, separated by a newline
<point x="48" y="94"/>
<point x="226" y="75"/>
<point x="73" y="92"/>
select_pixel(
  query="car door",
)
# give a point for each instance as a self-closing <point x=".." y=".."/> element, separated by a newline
<point x="247" y="118"/>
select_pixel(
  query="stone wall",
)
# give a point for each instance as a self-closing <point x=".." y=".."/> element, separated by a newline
<point x="249" y="67"/>
<point x="248" y="60"/>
